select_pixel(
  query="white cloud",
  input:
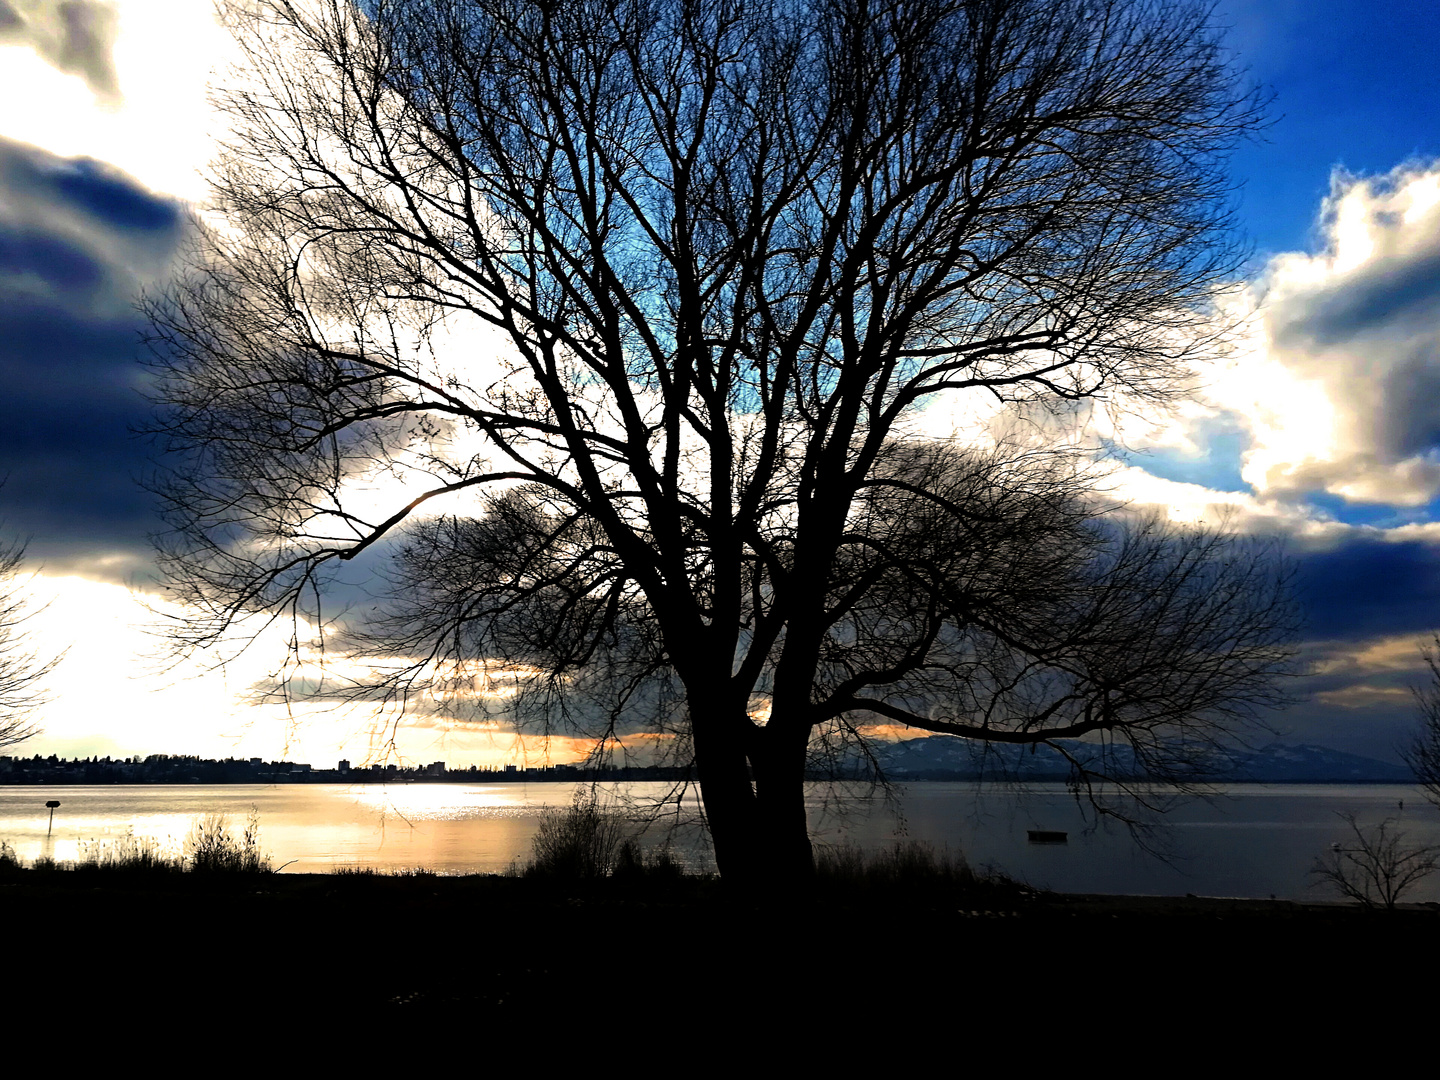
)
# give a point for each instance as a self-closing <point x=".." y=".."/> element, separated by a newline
<point x="1331" y="383"/>
<point x="134" y="96"/>
<point x="1195" y="503"/>
<point x="75" y="37"/>
<point x="1338" y="375"/>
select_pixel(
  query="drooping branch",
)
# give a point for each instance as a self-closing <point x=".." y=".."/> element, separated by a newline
<point x="598" y="327"/>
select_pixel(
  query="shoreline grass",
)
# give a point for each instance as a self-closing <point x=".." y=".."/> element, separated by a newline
<point x="210" y="847"/>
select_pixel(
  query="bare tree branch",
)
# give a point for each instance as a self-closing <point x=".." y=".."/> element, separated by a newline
<point x="22" y="670"/>
<point x="622" y="308"/>
<point x="1377" y="867"/>
<point x="1422" y="752"/>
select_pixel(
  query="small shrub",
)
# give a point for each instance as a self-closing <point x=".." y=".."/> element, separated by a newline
<point x="914" y="862"/>
<point x="128" y="853"/>
<point x="212" y="848"/>
<point x="909" y="864"/>
<point x="844" y="863"/>
<point x="578" y="843"/>
<point x="912" y="869"/>
<point x="10" y="864"/>
<point x="352" y="870"/>
<point x="1377" y="867"/>
<point x="632" y="861"/>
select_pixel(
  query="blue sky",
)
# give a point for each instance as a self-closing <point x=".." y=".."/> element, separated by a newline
<point x="1324" y="425"/>
<point x="1355" y="85"/>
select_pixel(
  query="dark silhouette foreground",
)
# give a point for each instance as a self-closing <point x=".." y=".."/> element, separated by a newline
<point x="288" y="950"/>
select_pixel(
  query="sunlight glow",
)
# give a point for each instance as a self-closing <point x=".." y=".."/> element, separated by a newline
<point x="161" y="129"/>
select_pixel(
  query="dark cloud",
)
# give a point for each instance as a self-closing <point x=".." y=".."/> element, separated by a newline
<point x="52" y="259"/>
<point x="71" y="395"/>
<point x="1359" y="697"/>
<point x="78" y="239"/>
<point x="94" y="188"/>
<point x="87" y="205"/>
<point x="109" y="195"/>
<point x="75" y="36"/>
<point x="1396" y="296"/>
<point x="1370" y="588"/>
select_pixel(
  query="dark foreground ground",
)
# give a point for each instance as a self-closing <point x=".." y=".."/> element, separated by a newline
<point x="503" y="955"/>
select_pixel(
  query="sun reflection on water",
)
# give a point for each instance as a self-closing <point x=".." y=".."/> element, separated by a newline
<point x="445" y="802"/>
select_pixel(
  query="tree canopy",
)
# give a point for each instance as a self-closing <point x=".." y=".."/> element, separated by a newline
<point x="605" y="326"/>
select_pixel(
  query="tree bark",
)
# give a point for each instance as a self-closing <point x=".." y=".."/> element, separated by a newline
<point x="731" y="809"/>
<point x="758" y="826"/>
<point x="780" y="792"/>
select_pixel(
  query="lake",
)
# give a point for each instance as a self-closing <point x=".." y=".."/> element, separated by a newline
<point x="1254" y="840"/>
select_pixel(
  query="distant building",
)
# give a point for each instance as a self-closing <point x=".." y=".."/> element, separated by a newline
<point x="344" y="766"/>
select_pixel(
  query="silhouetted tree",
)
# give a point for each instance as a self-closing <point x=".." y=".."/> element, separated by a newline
<point x="1377" y="867"/>
<point x="21" y="669"/>
<point x="609" y="320"/>
<point x="1422" y="752"/>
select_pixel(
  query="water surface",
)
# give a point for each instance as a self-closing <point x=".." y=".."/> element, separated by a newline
<point x="1255" y="840"/>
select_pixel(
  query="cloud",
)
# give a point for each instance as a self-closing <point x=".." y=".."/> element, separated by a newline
<point x="1323" y="426"/>
<point x="1353" y="581"/>
<point x="74" y="36"/>
<point x="164" y="57"/>
<point x="1358" y="696"/>
<point x="78" y="240"/>
<point x="1370" y="587"/>
<point x="78" y="222"/>
<point x="1339" y="378"/>
<point x="1328" y="398"/>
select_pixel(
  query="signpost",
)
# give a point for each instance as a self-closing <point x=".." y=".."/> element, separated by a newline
<point x="52" y="804"/>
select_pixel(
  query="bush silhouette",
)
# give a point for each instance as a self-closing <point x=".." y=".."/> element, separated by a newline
<point x="10" y="864"/>
<point x="633" y="861"/>
<point x="580" y="842"/>
<point x="1377" y="866"/>
<point x="210" y="847"/>
<point x="128" y="853"/>
<point x="903" y="864"/>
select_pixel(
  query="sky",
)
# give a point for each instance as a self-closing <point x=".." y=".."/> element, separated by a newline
<point x="1322" y="426"/>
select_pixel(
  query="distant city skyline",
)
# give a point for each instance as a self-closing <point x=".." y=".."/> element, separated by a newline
<point x="1323" y="425"/>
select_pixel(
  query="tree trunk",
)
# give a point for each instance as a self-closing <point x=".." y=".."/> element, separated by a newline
<point x="731" y="809"/>
<point x="759" y="829"/>
<point x="780" y="791"/>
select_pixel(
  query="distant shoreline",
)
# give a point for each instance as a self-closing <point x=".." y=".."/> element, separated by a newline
<point x="924" y="760"/>
<point x="166" y="769"/>
<point x="643" y="776"/>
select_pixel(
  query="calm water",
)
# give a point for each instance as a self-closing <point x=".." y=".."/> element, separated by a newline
<point x="1255" y="841"/>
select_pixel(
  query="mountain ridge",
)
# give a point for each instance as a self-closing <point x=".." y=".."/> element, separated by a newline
<point x="938" y="757"/>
